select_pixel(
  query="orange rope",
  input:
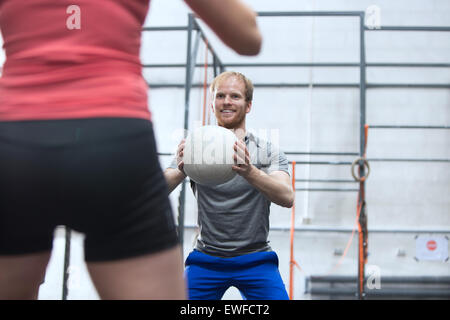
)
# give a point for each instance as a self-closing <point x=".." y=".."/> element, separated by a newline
<point x="209" y="114"/>
<point x="366" y="133"/>
<point x="205" y="80"/>
<point x="362" y="257"/>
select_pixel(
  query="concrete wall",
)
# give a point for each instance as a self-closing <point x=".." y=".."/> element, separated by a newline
<point x="399" y="195"/>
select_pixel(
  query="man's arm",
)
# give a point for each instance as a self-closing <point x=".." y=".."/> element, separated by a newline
<point x="276" y="186"/>
<point x="173" y="178"/>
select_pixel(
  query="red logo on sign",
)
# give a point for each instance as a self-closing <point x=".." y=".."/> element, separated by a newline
<point x="431" y="245"/>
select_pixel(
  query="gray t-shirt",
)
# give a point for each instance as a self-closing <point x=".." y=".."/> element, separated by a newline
<point x="233" y="217"/>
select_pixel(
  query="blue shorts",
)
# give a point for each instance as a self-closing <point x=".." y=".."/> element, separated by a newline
<point x="255" y="275"/>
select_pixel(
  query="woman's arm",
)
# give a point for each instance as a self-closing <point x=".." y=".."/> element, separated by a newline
<point x="232" y="21"/>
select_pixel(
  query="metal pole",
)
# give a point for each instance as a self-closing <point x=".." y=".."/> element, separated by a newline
<point x="175" y="28"/>
<point x="409" y="160"/>
<point x="188" y="80"/>
<point x="304" y="64"/>
<point x="326" y="190"/>
<point x="291" y="64"/>
<point x="350" y="230"/>
<point x="411" y="28"/>
<point x="408" y="127"/>
<point x="317" y="85"/>
<point x="191" y="58"/>
<point x="215" y="66"/>
<point x="65" y="287"/>
<point x="335" y="163"/>
<point x="326" y="180"/>
<point x="362" y="219"/>
<point x="322" y="153"/>
<point x="309" y="14"/>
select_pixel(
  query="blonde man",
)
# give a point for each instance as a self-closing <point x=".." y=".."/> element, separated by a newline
<point x="232" y="248"/>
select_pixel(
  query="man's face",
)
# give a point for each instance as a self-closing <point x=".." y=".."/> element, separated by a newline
<point x="229" y="103"/>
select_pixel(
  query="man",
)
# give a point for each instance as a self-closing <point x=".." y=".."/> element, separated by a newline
<point x="232" y="248"/>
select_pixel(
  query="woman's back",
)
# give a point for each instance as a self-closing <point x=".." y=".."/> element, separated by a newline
<point x="65" y="61"/>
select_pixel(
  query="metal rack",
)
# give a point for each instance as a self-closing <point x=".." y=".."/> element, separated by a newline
<point x="417" y="287"/>
<point x="195" y="34"/>
<point x="362" y="85"/>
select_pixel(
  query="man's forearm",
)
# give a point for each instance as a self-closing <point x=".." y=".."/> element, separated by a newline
<point x="173" y="178"/>
<point x="275" y="190"/>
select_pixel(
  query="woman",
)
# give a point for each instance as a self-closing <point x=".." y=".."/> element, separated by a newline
<point x="77" y="146"/>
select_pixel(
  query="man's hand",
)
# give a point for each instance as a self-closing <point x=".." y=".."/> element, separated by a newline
<point x="180" y="153"/>
<point x="241" y="158"/>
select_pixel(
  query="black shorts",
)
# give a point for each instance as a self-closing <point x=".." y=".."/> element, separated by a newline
<point x="100" y="177"/>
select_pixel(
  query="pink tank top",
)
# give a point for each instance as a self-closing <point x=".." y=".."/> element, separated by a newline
<point x="72" y="59"/>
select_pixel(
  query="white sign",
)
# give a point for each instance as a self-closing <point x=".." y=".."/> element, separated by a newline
<point x="432" y="248"/>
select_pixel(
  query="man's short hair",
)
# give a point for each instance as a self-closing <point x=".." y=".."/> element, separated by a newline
<point x="227" y="74"/>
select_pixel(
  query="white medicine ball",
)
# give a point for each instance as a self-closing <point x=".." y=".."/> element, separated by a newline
<point x="208" y="155"/>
